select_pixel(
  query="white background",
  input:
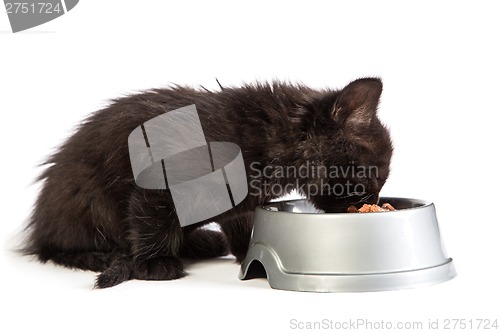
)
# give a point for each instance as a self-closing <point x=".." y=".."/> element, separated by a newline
<point x="439" y="61"/>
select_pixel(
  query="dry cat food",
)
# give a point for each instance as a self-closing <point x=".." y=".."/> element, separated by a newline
<point x="386" y="207"/>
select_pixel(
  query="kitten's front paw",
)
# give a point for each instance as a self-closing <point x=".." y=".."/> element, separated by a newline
<point x="202" y="243"/>
<point x="159" y="268"/>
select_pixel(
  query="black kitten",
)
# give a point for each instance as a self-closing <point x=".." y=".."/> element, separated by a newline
<point x="91" y="215"/>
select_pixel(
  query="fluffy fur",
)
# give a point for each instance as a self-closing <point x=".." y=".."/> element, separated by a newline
<point x="90" y="214"/>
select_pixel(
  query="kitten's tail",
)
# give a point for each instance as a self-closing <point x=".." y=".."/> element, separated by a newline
<point x="116" y="267"/>
<point x="120" y="270"/>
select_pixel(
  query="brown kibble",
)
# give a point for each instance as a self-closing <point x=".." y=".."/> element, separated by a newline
<point x="370" y="208"/>
<point x="386" y="207"/>
<point x="352" y="209"/>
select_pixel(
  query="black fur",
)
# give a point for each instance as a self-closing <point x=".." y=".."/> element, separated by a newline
<point x="91" y="215"/>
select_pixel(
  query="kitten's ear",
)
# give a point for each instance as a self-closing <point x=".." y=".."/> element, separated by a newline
<point x="357" y="103"/>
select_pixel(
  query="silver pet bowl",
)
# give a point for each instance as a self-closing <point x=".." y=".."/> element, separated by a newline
<point x="347" y="252"/>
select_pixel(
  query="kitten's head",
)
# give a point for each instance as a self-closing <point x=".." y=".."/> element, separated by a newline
<point x="347" y="146"/>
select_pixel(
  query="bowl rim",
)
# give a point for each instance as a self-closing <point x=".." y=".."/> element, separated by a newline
<point x="422" y="204"/>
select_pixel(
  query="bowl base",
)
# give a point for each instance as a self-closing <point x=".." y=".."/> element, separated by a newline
<point x="294" y="281"/>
